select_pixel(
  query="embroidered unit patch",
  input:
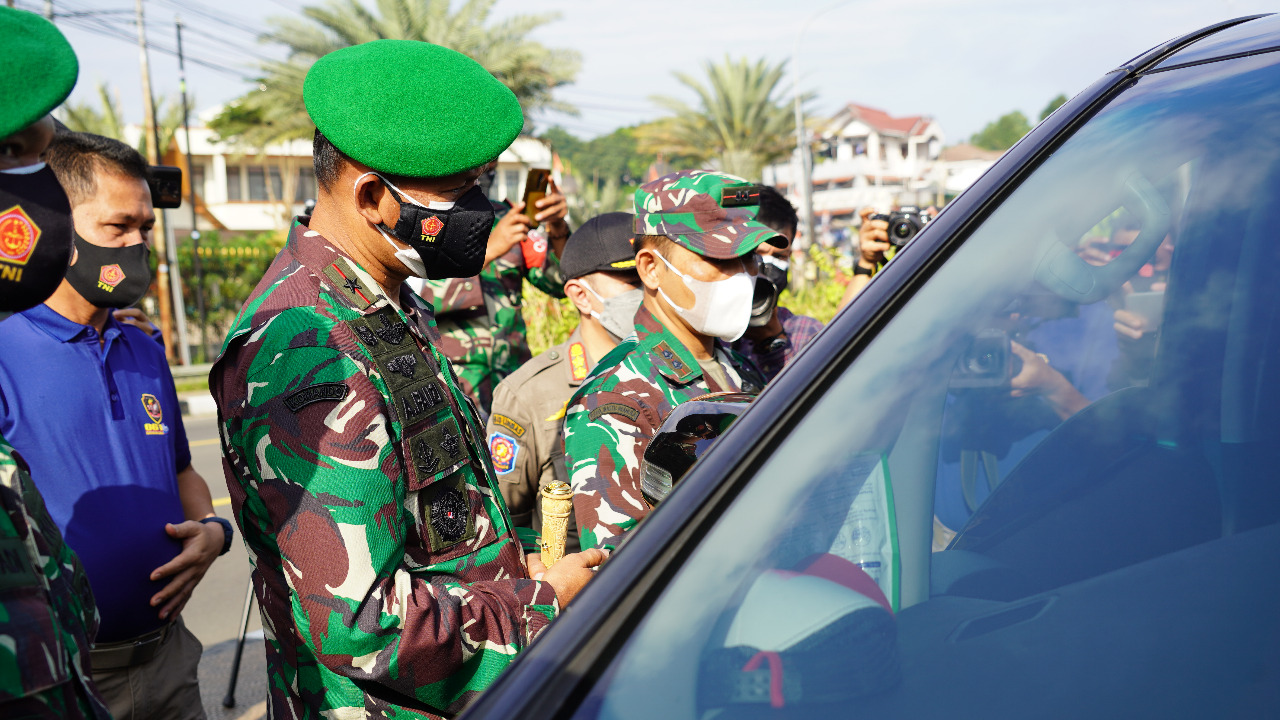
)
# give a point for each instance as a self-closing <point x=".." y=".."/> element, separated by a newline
<point x="320" y="392"/>
<point x="503" y="421"/>
<point x="619" y="409"/>
<point x="503" y="450"/>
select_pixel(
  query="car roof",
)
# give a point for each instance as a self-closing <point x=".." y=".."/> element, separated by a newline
<point x="1254" y="35"/>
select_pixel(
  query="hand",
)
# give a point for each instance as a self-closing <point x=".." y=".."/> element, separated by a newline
<point x="1130" y="325"/>
<point x="510" y="231"/>
<point x="536" y="568"/>
<point x="572" y="571"/>
<point x="1094" y="251"/>
<point x="873" y="239"/>
<point x="1038" y="377"/>
<point x="552" y="209"/>
<point x="201" y="545"/>
<point x="136" y="318"/>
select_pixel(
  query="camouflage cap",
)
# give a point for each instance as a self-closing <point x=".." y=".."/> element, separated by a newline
<point x="712" y="214"/>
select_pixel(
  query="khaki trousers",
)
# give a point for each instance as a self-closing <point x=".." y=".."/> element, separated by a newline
<point x="165" y="687"/>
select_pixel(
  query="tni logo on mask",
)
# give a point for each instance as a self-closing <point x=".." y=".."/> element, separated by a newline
<point x="109" y="276"/>
<point x="431" y="227"/>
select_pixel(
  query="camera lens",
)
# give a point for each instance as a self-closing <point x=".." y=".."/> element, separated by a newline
<point x="903" y="230"/>
<point x="983" y="363"/>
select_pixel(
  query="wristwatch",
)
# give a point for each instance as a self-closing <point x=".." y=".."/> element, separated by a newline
<point x="227" y="532"/>
<point x="774" y="344"/>
<point x="859" y="270"/>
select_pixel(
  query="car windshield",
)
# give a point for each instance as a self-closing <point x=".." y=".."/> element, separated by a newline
<point x="1048" y="485"/>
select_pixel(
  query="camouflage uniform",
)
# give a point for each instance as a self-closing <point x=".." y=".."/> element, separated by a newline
<point x="389" y="579"/>
<point x="47" y="615"/>
<point x="525" y="439"/>
<point x="481" y="324"/>
<point x="617" y="411"/>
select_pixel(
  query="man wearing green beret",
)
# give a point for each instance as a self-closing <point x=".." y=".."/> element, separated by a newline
<point x="696" y="237"/>
<point x="385" y="563"/>
<point x="48" y="618"/>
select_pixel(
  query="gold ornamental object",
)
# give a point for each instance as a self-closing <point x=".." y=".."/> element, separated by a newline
<point x="557" y="503"/>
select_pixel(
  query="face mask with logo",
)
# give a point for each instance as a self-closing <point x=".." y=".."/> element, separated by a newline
<point x="721" y="308"/>
<point x="35" y="236"/>
<point x="447" y="239"/>
<point x="619" y="314"/>
<point x="110" y="277"/>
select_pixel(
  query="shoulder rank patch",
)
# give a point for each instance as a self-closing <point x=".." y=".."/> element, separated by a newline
<point x="503" y="421"/>
<point x="320" y="392"/>
<point x="578" y="361"/>
<point x="344" y="280"/>
<point x="673" y="361"/>
<point x="619" y="409"/>
<point x="503" y="450"/>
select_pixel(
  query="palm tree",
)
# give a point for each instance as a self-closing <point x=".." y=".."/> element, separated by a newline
<point x="530" y="69"/>
<point x="107" y="120"/>
<point x="740" y="123"/>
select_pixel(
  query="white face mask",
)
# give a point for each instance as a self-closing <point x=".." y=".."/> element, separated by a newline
<point x="721" y="308"/>
<point x="619" y="311"/>
<point x="25" y="170"/>
<point x="408" y="257"/>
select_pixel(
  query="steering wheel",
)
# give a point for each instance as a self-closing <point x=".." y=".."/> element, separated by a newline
<point x="1063" y="273"/>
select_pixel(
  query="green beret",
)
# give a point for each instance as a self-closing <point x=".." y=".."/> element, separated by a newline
<point x="39" y="70"/>
<point x="411" y="108"/>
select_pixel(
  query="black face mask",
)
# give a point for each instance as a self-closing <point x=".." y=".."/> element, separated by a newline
<point x="110" y="277"/>
<point x="35" y="237"/>
<point x="451" y="242"/>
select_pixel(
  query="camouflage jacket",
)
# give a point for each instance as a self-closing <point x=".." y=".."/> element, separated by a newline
<point x="525" y="439"/>
<point x="617" y="411"/>
<point x="388" y="577"/>
<point x="47" y="615"/>
<point x="481" y="324"/>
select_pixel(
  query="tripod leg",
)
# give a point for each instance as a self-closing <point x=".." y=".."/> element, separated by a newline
<point x="230" y="699"/>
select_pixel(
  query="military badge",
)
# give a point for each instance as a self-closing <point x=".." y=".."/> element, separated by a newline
<point x="426" y="459"/>
<point x="109" y="276"/>
<point x="366" y="335"/>
<point x="578" y="362"/>
<point x="154" y="411"/>
<point x="430" y="228"/>
<point x="392" y="332"/>
<point x="503" y="450"/>
<point x="18" y="235"/>
<point x="405" y="365"/>
<point x="449" y="514"/>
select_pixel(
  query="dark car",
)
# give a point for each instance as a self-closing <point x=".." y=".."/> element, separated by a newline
<point x="1033" y="471"/>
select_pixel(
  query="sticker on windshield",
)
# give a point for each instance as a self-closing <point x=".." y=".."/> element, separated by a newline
<point x="869" y="535"/>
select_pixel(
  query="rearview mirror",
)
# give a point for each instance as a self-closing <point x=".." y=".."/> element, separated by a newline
<point x="683" y="437"/>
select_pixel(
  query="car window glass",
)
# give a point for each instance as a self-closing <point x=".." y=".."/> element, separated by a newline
<point x="1024" y="457"/>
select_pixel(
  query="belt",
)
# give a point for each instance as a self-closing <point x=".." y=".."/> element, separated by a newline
<point x="126" y="653"/>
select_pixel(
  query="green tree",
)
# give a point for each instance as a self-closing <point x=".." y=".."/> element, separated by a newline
<point x="740" y="122"/>
<point x="1054" y="104"/>
<point x="530" y="69"/>
<point x="106" y="119"/>
<point x="1001" y="134"/>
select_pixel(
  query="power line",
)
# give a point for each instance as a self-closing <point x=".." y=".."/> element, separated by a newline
<point x="97" y="26"/>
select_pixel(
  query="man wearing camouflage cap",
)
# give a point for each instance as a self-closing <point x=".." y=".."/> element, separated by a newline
<point x="525" y="438"/>
<point x="695" y="253"/>
<point x="48" y="618"/>
<point x="387" y="572"/>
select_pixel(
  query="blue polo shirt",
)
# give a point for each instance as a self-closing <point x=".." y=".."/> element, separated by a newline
<point x="101" y="428"/>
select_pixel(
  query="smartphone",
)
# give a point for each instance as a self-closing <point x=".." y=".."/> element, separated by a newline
<point x="535" y="188"/>
<point x="1147" y="305"/>
<point x="166" y="186"/>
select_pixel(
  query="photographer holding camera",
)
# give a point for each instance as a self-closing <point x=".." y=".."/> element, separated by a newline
<point x="877" y="236"/>
<point x="775" y="335"/>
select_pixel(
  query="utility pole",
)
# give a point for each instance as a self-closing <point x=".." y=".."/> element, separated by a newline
<point x="153" y="157"/>
<point x="48" y="9"/>
<point x="191" y="199"/>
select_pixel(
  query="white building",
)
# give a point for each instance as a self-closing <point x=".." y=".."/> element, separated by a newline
<point x="241" y="191"/>
<point x="866" y="157"/>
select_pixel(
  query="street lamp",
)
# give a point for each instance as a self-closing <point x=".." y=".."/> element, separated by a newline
<point x="802" y="148"/>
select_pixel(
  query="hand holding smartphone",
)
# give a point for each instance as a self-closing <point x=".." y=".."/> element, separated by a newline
<point x="535" y="188"/>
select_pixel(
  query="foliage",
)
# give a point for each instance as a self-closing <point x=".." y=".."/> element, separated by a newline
<point x="739" y="122"/>
<point x="232" y="267"/>
<point x="549" y="320"/>
<point x="530" y="69"/>
<point x="1001" y="134"/>
<point x="1054" y="104"/>
<point x="107" y="120"/>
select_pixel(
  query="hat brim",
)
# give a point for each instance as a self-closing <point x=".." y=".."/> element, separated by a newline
<point x="711" y="243"/>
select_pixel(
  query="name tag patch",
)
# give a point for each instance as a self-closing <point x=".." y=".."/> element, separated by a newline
<point x="503" y="421"/>
<point x="320" y="392"/>
<point x="619" y="409"/>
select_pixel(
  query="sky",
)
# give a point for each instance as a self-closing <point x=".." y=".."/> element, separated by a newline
<point x="963" y="63"/>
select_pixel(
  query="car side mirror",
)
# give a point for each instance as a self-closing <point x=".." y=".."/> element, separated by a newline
<point x="683" y="437"/>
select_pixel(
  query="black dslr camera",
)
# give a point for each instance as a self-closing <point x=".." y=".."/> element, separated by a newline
<point x="904" y="223"/>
